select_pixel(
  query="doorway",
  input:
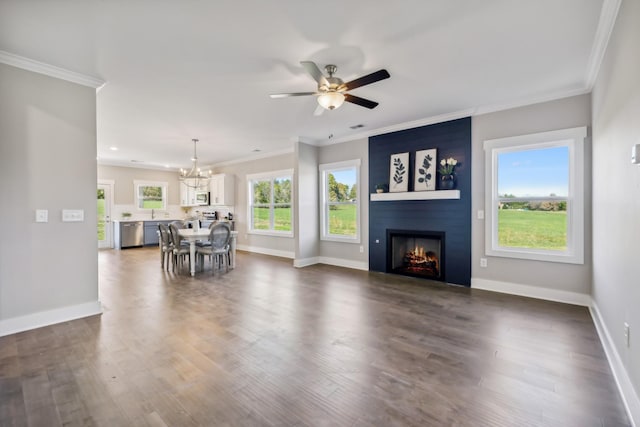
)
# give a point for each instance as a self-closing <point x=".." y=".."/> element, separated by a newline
<point x="105" y="202"/>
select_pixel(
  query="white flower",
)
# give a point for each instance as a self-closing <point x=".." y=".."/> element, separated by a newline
<point x="447" y="166"/>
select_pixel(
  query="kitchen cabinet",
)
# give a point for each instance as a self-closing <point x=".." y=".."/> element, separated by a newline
<point x="188" y="194"/>
<point x="222" y="189"/>
<point x="151" y="231"/>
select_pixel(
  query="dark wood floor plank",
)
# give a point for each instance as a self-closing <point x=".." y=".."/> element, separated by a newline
<point x="267" y="344"/>
<point x="12" y="409"/>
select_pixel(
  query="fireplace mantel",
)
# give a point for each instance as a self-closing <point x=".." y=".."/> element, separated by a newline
<point x="416" y="195"/>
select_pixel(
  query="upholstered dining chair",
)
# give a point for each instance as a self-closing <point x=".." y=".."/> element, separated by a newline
<point x="166" y="246"/>
<point x="218" y="251"/>
<point x="180" y="247"/>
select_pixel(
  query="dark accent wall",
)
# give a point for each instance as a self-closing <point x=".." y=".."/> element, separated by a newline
<point x="453" y="217"/>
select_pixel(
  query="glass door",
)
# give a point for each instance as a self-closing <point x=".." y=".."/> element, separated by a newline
<point x="105" y="231"/>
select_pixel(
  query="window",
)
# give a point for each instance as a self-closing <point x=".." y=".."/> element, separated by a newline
<point x="150" y="195"/>
<point x="270" y="203"/>
<point x="534" y="196"/>
<point x="340" y="190"/>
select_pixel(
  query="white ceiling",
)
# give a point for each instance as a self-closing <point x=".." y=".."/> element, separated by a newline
<point x="177" y="70"/>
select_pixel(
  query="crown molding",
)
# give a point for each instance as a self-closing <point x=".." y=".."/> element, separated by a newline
<point x="258" y="156"/>
<point x="397" y="127"/>
<point x="50" y="70"/>
<point x="607" y="21"/>
<point x="129" y="164"/>
<point x="493" y="108"/>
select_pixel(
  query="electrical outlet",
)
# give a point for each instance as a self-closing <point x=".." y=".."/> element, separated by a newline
<point x="483" y="262"/>
<point x="627" y="334"/>
<point x="42" y="215"/>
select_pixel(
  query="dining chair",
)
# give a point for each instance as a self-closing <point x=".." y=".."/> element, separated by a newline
<point x="180" y="247"/>
<point x="218" y="251"/>
<point x="166" y="246"/>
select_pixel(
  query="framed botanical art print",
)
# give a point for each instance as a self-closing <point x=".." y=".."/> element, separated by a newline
<point x="399" y="173"/>
<point x="425" y="171"/>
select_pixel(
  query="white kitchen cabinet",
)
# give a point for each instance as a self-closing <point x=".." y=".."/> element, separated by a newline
<point x="188" y="194"/>
<point x="222" y="189"/>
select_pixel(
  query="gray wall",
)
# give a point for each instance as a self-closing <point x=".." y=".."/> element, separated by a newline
<point x="307" y="230"/>
<point x="560" y="114"/>
<point x="124" y="191"/>
<point x="350" y="252"/>
<point x="124" y="177"/>
<point x="259" y="243"/>
<point x="47" y="161"/>
<point x="616" y="189"/>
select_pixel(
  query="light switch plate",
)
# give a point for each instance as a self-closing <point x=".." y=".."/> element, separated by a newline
<point x="72" y="215"/>
<point x="42" y="215"/>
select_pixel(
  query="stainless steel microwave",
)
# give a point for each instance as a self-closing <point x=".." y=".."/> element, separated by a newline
<point x="202" y="198"/>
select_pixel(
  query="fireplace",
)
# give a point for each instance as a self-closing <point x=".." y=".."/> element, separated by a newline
<point x="416" y="253"/>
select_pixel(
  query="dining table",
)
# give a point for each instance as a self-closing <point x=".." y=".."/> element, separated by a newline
<point x="193" y="235"/>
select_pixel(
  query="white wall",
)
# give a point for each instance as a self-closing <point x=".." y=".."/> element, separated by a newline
<point x="616" y="198"/>
<point x="564" y="282"/>
<point x="348" y="254"/>
<point x="273" y="245"/>
<point x="48" y="271"/>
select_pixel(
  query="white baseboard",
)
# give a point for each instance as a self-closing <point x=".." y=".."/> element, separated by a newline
<point x="338" y="262"/>
<point x="628" y="393"/>
<point x="348" y="263"/>
<point x="532" y="291"/>
<point x="266" y="251"/>
<point x="305" y="262"/>
<point x="50" y="317"/>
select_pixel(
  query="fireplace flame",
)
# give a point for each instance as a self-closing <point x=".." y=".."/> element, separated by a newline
<point x="418" y="257"/>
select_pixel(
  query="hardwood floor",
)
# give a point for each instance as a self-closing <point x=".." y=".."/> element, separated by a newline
<point x="268" y="344"/>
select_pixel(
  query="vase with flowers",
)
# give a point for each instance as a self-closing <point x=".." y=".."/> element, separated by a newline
<point x="447" y="173"/>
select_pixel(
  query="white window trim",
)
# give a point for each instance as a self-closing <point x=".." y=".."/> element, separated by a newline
<point x="165" y="193"/>
<point x="263" y="177"/>
<point x="574" y="139"/>
<point x="324" y="234"/>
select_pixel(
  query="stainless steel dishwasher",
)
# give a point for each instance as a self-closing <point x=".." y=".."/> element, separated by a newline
<point x="131" y="234"/>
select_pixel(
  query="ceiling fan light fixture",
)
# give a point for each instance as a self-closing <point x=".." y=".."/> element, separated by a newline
<point x="331" y="100"/>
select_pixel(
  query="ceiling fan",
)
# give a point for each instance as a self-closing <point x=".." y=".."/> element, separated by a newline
<point x="332" y="91"/>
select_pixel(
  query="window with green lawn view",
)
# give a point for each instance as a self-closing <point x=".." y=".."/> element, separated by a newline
<point x="535" y="196"/>
<point x="340" y="183"/>
<point x="270" y="202"/>
<point x="150" y="195"/>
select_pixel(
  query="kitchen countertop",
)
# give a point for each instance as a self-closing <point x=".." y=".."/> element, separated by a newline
<point x="146" y="220"/>
<point x="168" y="219"/>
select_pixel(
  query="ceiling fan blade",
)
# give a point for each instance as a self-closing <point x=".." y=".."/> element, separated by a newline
<point x="360" y="101"/>
<point x="315" y="72"/>
<point x="288" y="95"/>
<point x="367" y="80"/>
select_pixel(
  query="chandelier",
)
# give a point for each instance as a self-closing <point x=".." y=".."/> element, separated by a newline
<point x="194" y="178"/>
